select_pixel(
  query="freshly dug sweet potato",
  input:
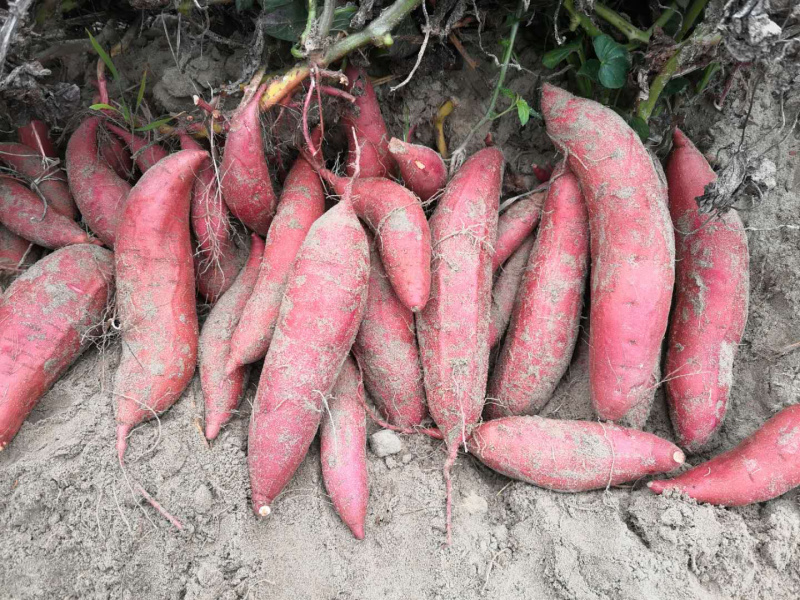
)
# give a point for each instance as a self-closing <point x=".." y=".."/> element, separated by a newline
<point x="422" y="168"/>
<point x="764" y="466"/>
<point x="343" y="449"/>
<point x="505" y="289"/>
<point x="711" y="299"/>
<point x="364" y="116"/>
<point x="98" y="191"/>
<point x="36" y="135"/>
<point x="46" y="315"/>
<point x="570" y="456"/>
<point x="386" y="347"/>
<point x="116" y="154"/>
<point x="47" y="178"/>
<point x="318" y="321"/>
<point x="146" y="153"/>
<point x="24" y="213"/>
<point x="544" y="322"/>
<point x="222" y="390"/>
<point x="15" y="252"/>
<point x="516" y="224"/>
<point x="155" y="293"/>
<point x="632" y="247"/>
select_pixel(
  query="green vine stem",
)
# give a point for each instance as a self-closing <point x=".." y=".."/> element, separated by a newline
<point x="691" y="16"/>
<point x="633" y="33"/>
<point x="578" y="19"/>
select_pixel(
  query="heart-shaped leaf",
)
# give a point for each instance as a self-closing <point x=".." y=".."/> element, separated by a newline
<point x="553" y="58"/>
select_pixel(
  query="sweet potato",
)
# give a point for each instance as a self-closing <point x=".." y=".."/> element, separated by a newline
<point x="145" y="153"/>
<point x="98" y="191"/>
<point x="24" y="213"/>
<point x="343" y="449"/>
<point x="46" y="315"/>
<point x="221" y="390"/>
<point x="544" y="322"/>
<point x="246" y="182"/>
<point x="422" y="168"/>
<point x="36" y="135"/>
<point x="116" y="154"/>
<point x="505" y="289"/>
<point x="364" y="116"/>
<point x="515" y="224"/>
<point x="15" y="252"/>
<point x="632" y="247"/>
<point x="386" y="347"/>
<point x="711" y="298"/>
<point x="318" y="321"/>
<point x="570" y="456"/>
<point x="45" y="176"/>
<point x="155" y="293"/>
<point x="396" y="216"/>
<point x="764" y="466"/>
<point x="453" y="329"/>
<point x="302" y="202"/>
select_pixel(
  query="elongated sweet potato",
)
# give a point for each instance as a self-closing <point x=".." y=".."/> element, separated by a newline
<point x="453" y="329"/>
<point x="505" y="289"/>
<point x="544" y="322"/>
<point x="98" y="191"/>
<point x="246" y="182"/>
<point x="16" y="253"/>
<point x="46" y="315"/>
<point x="343" y="448"/>
<point x="711" y="298"/>
<point x="386" y="347"/>
<point x="762" y="467"/>
<point x="302" y="202"/>
<point x="24" y="213"/>
<point x="221" y="390"/>
<point x="570" y="456"/>
<point x="364" y="116"/>
<point x="318" y="321"/>
<point x="146" y="153"/>
<point x="632" y="246"/>
<point x="45" y="176"/>
<point x="36" y="135"/>
<point x="155" y="293"/>
<point x="516" y="224"/>
<point x="422" y="168"/>
<point x="116" y="154"/>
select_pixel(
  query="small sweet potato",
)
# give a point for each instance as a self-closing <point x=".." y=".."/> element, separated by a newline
<point x="15" y="252"/>
<point x="364" y="116"/>
<point x="505" y="289"/>
<point x="422" y="168"/>
<point x="36" y="135"/>
<point x="145" y="153"/>
<point x="515" y="224"/>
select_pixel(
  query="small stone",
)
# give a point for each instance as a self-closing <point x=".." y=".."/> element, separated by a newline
<point x="208" y="575"/>
<point x="391" y="462"/>
<point x="475" y="504"/>
<point x="385" y="442"/>
<point x="407" y="458"/>
<point x="203" y="501"/>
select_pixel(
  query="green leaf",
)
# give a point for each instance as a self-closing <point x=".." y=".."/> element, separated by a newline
<point x="640" y="126"/>
<point x="142" y="85"/>
<point x="674" y="86"/>
<point x="103" y="55"/>
<point x="614" y="62"/>
<point x="154" y="124"/>
<point x="286" y="22"/>
<point x="244" y="5"/>
<point x="508" y="93"/>
<point x="553" y="58"/>
<point x="523" y="111"/>
<point x="590" y="69"/>
<point x="101" y="106"/>
<point x="126" y="114"/>
<point x="270" y="5"/>
<point x="342" y="17"/>
<point x="607" y="49"/>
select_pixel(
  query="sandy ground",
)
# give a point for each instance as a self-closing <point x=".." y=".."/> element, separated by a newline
<point x="72" y="527"/>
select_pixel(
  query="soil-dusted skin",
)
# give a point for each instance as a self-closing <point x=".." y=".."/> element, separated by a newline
<point x="156" y="293"/>
<point x="146" y="153"/>
<point x="319" y="317"/>
<point x="505" y="288"/>
<point x="422" y="168"/>
<point x="98" y="191"/>
<point x="516" y="224"/>
<point x="14" y="251"/>
<point x="45" y="318"/>
<point x="632" y="247"/>
<point x="712" y="288"/>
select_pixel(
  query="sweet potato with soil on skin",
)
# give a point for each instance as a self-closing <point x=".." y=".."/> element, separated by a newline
<point x="216" y="259"/>
<point x="318" y="321"/>
<point x="98" y="191"/>
<point x="422" y="168"/>
<point x="36" y="135"/>
<point x="46" y="315"/>
<point x="632" y="247"/>
<point x="364" y="115"/>
<point x="505" y="289"/>
<point x="15" y="252"/>
<point x="24" y="213"/>
<point x="116" y="154"/>
<point x="570" y="456"/>
<point x="302" y="203"/>
<point x="246" y="182"/>
<point x="544" y="323"/>
<point x="515" y="225"/>
<point x="404" y="240"/>
<point x="711" y="298"/>
<point x="386" y="347"/>
<point x="48" y="178"/>
<point x="453" y="329"/>
<point x="343" y="449"/>
<point x="764" y="466"/>
<point x="145" y="153"/>
<point x="221" y="390"/>
<point x="155" y="293"/>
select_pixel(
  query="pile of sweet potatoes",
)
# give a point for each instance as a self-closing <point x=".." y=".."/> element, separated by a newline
<point x="370" y="302"/>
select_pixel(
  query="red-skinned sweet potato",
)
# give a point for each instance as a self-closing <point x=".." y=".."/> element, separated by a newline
<point x="364" y="116"/>
<point x="155" y="293"/>
<point x="15" y="252"/>
<point x="544" y="322"/>
<point x="571" y="456"/>
<point x="116" y="154"/>
<point x="146" y="153"/>
<point x="343" y="449"/>
<point x="711" y="298"/>
<point x="318" y="321"/>
<point x="36" y="135"/>
<point x="764" y="466"/>
<point x="632" y="246"/>
<point x="505" y="289"/>
<point x="46" y="315"/>
<point x="422" y="168"/>
<point x="222" y="390"/>
<point x="515" y="224"/>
